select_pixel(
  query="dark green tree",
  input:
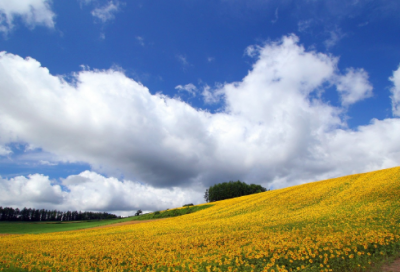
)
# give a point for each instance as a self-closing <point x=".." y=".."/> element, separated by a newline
<point x="139" y="212"/>
<point x="231" y="189"/>
<point x="206" y="195"/>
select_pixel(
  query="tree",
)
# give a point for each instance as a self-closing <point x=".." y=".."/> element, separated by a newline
<point x="29" y="214"/>
<point x="139" y="212"/>
<point x="231" y="189"/>
<point x="206" y="195"/>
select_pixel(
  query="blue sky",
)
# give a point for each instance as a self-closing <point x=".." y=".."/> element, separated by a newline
<point x="125" y="105"/>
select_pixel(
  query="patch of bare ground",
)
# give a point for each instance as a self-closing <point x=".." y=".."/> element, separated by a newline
<point x="126" y="223"/>
<point x="392" y="267"/>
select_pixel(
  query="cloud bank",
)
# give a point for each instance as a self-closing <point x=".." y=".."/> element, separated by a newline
<point x="273" y="127"/>
<point x="90" y="191"/>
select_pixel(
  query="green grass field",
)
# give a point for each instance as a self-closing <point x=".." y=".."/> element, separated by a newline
<point x="46" y="227"/>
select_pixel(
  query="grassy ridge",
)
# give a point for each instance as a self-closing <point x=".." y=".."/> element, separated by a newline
<point x="171" y="213"/>
<point x="342" y="224"/>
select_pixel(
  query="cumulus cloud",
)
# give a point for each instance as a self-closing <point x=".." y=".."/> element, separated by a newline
<point x="31" y="191"/>
<point x="33" y="12"/>
<point x="107" y="12"/>
<point x="116" y="120"/>
<point x="395" y="92"/>
<point x="90" y="191"/>
<point x="354" y="86"/>
<point x="272" y="129"/>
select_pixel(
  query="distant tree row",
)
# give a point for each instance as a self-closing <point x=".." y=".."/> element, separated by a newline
<point x="28" y="214"/>
<point x="231" y="189"/>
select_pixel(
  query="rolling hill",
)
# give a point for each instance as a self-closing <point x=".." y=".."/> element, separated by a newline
<point x="341" y="224"/>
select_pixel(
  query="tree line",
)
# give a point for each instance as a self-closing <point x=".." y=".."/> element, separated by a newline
<point x="29" y="214"/>
<point x="231" y="189"/>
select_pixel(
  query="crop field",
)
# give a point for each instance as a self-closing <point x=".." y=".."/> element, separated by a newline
<point x="342" y="224"/>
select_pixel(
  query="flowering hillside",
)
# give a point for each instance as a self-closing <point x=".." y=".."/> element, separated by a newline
<point x="340" y="224"/>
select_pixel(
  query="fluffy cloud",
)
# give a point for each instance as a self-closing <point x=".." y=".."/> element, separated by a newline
<point x="121" y="127"/>
<point x="354" y="86"/>
<point x="31" y="191"/>
<point x="273" y="128"/>
<point x="396" y="92"/>
<point x="90" y="191"/>
<point x="33" y="12"/>
<point x="106" y="12"/>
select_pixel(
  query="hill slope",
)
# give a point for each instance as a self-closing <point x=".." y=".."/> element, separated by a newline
<point x="339" y="224"/>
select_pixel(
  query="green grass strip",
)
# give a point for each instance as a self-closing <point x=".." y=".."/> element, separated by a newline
<point x="11" y="227"/>
<point x="171" y="213"/>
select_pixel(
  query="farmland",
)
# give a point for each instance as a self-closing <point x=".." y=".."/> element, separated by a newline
<point x="342" y="224"/>
<point x="57" y="226"/>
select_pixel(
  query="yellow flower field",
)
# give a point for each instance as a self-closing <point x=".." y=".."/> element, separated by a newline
<point x="340" y="224"/>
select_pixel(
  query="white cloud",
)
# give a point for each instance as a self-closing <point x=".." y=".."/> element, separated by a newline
<point x="395" y="90"/>
<point x="107" y="12"/>
<point x="354" y="86"/>
<point x="190" y="88"/>
<point x="212" y="96"/>
<point x="44" y="162"/>
<point x="90" y="191"/>
<point x="272" y="129"/>
<point x="58" y="113"/>
<point x="4" y="150"/>
<point x="252" y="50"/>
<point x="33" y="191"/>
<point x="33" y="12"/>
